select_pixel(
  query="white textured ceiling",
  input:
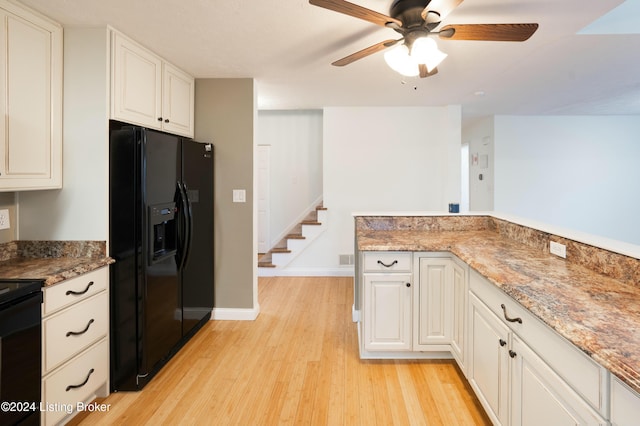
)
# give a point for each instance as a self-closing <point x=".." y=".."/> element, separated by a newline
<point x="571" y="65"/>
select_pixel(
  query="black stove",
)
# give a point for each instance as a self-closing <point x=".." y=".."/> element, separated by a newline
<point x="11" y="289"/>
<point x="20" y="349"/>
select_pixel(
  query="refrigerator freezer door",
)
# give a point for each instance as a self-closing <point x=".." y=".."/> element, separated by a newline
<point x="162" y="316"/>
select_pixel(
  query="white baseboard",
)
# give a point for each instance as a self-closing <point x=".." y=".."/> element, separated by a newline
<point x="232" y="314"/>
<point x="355" y="314"/>
<point x="306" y="272"/>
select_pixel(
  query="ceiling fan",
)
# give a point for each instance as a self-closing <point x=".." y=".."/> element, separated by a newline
<point x="416" y="21"/>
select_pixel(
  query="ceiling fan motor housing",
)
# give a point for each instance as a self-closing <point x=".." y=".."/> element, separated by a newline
<point x="408" y="12"/>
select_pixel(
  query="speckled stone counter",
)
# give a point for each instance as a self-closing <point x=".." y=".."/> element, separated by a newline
<point x="53" y="261"/>
<point x="592" y="298"/>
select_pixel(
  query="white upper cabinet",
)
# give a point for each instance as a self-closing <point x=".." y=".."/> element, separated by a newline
<point x="178" y="93"/>
<point x="148" y="91"/>
<point x="30" y="100"/>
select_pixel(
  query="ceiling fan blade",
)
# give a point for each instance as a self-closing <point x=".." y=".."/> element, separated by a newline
<point x="356" y="11"/>
<point x="364" y="52"/>
<point x="437" y="10"/>
<point x="488" y="32"/>
<point x="424" y="72"/>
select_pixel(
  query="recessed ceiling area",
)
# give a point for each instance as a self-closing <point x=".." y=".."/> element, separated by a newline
<point x="580" y="60"/>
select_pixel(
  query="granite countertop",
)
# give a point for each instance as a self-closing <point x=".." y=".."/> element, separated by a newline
<point x="597" y="313"/>
<point x="53" y="261"/>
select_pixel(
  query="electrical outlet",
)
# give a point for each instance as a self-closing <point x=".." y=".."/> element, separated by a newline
<point x="4" y="219"/>
<point x="558" y="249"/>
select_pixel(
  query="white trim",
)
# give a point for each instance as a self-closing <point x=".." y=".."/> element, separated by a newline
<point x="306" y="272"/>
<point x="233" y="314"/>
<point x="355" y="314"/>
<point x="296" y="221"/>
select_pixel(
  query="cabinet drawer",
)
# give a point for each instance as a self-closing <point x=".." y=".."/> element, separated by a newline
<point x="73" y="329"/>
<point x="74" y="290"/>
<point x="582" y="373"/>
<point x="77" y="381"/>
<point x="387" y="261"/>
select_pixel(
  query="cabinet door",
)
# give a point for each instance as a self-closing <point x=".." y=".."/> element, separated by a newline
<point x="488" y="365"/>
<point x="434" y="302"/>
<point x="540" y="397"/>
<point x="178" y="91"/>
<point x="625" y="404"/>
<point x="387" y="312"/>
<point x="460" y="292"/>
<point x="136" y="84"/>
<point x="30" y="102"/>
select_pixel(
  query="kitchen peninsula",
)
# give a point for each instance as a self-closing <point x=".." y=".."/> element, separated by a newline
<point x="591" y="300"/>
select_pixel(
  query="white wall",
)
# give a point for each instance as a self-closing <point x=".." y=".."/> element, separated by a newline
<point x="79" y="211"/>
<point x="382" y="159"/>
<point x="479" y="136"/>
<point x="575" y="172"/>
<point x="295" y="181"/>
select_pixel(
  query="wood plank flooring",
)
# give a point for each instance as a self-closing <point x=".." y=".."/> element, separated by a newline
<point x="297" y="364"/>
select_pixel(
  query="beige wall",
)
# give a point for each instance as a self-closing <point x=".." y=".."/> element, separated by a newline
<point x="224" y="115"/>
<point x="7" y="201"/>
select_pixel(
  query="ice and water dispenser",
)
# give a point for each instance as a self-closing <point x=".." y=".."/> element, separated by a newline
<point x="163" y="236"/>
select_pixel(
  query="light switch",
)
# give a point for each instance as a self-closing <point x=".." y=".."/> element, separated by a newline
<point x="239" y="196"/>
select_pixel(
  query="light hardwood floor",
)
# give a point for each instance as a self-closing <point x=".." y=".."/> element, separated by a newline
<point x="297" y="364"/>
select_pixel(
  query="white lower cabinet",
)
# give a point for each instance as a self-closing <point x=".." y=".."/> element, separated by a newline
<point x="433" y="298"/>
<point x="75" y="345"/>
<point x="625" y="404"/>
<point x="541" y="397"/>
<point x="513" y="382"/>
<point x="414" y="303"/>
<point x="488" y="367"/>
<point x="387" y="316"/>
<point x="426" y="305"/>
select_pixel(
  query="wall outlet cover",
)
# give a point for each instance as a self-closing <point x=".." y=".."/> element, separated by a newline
<point x="558" y="249"/>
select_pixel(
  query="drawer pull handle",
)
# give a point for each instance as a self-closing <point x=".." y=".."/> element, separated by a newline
<point x="380" y="262"/>
<point x="79" y="293"/>
<point x="502" y="342"/>
<point x="81" y="384"/>
<point x="504" y="310"/>
<point x="78" y="333"/>
<point x="512" y="354"/>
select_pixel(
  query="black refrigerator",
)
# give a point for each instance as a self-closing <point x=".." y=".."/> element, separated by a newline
<point x="161" y="237"/>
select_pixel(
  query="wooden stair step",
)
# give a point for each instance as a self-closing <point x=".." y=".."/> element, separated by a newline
<point x="265" y="261"/>
<point x="280" y="250"/>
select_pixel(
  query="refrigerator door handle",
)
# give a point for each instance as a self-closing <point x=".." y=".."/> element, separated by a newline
<point x="184" y="227"/>
<point x="189" y="217"/>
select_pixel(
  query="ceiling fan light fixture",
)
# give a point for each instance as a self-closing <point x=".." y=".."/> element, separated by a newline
<point x="425" y="51"/>
<point x="399" y="60"/>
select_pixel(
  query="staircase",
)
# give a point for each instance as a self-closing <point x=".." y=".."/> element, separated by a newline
<point x="298" y="238"/>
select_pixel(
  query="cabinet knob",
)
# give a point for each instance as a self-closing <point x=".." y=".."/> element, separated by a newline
<point x="408" y="284"/>
<point x="159" y="118"/>
<point x="502" y="342"/>
<point x="512" y="354"/>
<point x="166" y="120"/>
